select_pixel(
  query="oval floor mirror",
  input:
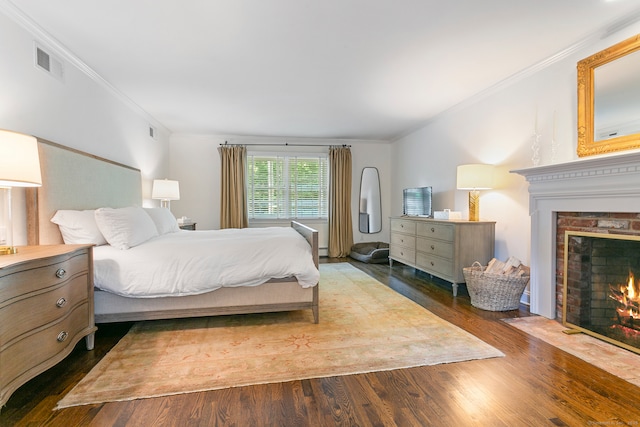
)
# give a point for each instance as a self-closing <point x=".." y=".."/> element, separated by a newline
<point x="370" y="219"/>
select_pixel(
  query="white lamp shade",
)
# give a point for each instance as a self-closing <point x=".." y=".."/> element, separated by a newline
<point x="475" y="177"/>
<point x="19" y="160"/>
<point x="165" y="189"/>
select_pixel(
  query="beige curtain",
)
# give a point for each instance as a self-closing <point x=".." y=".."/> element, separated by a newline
<point x="340" y="226"/>
<point x="233" y="194"/>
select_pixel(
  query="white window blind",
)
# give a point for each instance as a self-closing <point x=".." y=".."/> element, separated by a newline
<point x="282" y="186"/>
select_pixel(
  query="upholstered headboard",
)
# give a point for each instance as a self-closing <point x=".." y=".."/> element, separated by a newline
<point x="72" y="179"/>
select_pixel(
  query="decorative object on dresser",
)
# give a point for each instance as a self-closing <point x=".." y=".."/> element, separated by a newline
<point x="439" y="247"/>
<point x="46" y="307"/>
<point x="447" y="214"/>
<point x="475" y="178"/>
<point x="165" y="190"/>
<point x="19" y="167"/>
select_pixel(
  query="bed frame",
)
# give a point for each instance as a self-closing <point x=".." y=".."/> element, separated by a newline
<point x="72" y="179"/>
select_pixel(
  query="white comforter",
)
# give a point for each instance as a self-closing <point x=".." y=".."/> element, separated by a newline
<point x="194" y="262"/>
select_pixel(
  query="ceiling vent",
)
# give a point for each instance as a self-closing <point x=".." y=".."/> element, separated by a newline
<point x="48" y="63"/>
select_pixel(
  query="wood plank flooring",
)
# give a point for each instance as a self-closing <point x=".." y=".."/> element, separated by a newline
<point x="534" y="385"/>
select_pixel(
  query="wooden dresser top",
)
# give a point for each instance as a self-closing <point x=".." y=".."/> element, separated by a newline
<point x="29" y="253"/>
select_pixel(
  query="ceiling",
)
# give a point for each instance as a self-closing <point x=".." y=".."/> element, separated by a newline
<point x="356" y="69"/>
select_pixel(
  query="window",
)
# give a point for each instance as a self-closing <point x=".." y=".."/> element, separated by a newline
<point x="284" y="186"/>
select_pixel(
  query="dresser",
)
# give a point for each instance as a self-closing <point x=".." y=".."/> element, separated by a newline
<point x="46" y="307"/>
<point x="441" y="248"/>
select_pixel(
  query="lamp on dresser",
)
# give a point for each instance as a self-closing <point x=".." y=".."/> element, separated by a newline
<point x="475" y="177"/>
<point x="19" y="167"/>
<point x="165" y="190"/>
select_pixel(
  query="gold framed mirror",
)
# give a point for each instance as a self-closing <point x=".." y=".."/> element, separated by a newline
<point x="609" y="99"/>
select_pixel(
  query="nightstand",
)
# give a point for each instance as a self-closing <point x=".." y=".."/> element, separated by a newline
<point x="46" y="307"/>
<point x="191" y="226"/>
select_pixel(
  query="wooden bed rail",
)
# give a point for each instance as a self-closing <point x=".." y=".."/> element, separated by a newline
<point x="312" y="237"/>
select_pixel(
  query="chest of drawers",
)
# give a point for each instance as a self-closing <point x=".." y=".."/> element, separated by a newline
<point x="46" y="307"/>
<point x="441" y="248"/>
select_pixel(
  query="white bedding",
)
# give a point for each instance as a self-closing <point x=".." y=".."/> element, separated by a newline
<point x="195" y="262"/>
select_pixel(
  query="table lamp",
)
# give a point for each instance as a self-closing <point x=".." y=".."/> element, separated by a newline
<point x="475" y="177"/>
<point x="165" y="190"/>
<point x="19" y="167"/>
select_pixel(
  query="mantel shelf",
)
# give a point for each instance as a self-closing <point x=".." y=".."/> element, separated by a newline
<point x="618" y="163"/>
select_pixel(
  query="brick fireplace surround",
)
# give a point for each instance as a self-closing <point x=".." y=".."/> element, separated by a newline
<point x="599" y="193"/>
<point x="592" y="222"/>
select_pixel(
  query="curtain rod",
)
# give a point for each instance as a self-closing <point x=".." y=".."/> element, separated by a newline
<point x="286" y="144"/>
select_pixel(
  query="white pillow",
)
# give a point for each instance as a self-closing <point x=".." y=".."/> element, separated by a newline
<point x="78" y="227"/>
<point x="125" y="228"/>
<point x="164" y="220"/>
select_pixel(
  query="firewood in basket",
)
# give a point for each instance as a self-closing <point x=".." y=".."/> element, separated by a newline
<point x="511" y="266"/>
<point x="490" y="265"/>
<point x="523" y="270"/>
<point x="495" y="266"/>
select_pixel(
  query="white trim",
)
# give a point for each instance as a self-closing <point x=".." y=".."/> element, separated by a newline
<point x="597" y="184"/>
<point x="48" y="41"/>
<point x="599" y="34"/>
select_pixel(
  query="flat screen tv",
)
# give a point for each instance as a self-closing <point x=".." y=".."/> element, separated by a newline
<point x="417" y="201"/>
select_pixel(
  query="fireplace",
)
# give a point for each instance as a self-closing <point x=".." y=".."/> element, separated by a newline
<point x="598" y="184"/>
<point x="601" y="292"/>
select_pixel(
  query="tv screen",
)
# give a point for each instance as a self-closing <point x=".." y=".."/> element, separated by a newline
<point x="417" y="201"/>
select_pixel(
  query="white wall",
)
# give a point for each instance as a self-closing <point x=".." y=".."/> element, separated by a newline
<point x="77" y="112"/>
<point x="194" y="161"/>
<point x="497" y="128"/>
<point x="85" y="114"/>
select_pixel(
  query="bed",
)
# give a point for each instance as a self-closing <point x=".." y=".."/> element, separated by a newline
<point x="74" y="180"/>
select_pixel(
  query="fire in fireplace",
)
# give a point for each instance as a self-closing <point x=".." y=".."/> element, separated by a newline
<point x="627" y="300"/>
<point x="601" y="296"/>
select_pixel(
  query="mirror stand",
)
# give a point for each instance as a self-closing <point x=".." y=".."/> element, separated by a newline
<point x="370" y="216"/>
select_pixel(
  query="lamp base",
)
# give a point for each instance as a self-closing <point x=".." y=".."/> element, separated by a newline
<point x="8" y="250"/>
<point x="474" y="205"/>
<point x="6" y="223"/>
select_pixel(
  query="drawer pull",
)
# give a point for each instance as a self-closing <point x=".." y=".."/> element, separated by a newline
<point x="433" y="247"/>
<point x="61" y="302"/>
<point x="61" y="273"/>
<point x="62" y="336"/>
<point x="432" y="264"/>
<point x="433" y="230"/>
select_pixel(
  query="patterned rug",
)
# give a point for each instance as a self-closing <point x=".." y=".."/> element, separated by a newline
<point x="618" y="361"/>
<point x="364" y="327"/>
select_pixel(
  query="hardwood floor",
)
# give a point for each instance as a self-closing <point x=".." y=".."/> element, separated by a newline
<point x="534" y="385"/>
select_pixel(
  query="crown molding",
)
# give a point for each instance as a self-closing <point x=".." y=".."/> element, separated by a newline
<point x="43" y="37"/>
<point x="602" y="33"/>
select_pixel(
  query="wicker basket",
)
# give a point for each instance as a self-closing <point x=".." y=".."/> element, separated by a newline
<point x="494" y="292"/>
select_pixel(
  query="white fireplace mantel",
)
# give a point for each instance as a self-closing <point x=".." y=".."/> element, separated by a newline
<point x="595" y="184"/>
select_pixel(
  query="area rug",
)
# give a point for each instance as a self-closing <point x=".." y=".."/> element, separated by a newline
<point x="364" y="327"/>
<point x="616" y="360"/>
